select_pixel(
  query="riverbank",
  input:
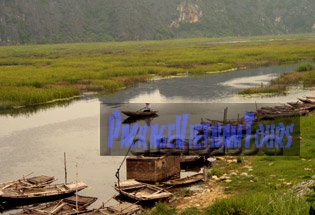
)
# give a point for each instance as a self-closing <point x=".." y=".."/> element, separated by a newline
<point x="35" y="74"/>
<point x="252" y="184"/>
<point x="303" y="77"/>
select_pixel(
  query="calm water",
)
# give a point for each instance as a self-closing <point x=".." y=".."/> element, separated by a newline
<point x="36" y="142"/>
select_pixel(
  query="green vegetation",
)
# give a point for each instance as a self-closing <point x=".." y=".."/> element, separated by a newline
<point x="190" y="211"/>
<point x="270" y="183"/>
<point x="305" y="67"/>
<point x="34" y="74"/>
<point x="14" y="96"/>
<point x="37" y="74"/>
<point x="161" y="208"/>
<point x="304" y="74"/>
<point x="215" y="171"/>
<point x="260" y="204"/>
<point x="272" y="89"/>
<point x="42" y="22"/>
<point x="310" y="196"/>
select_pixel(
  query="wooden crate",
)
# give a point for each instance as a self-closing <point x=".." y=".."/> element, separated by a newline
<point x="152" y="169"/>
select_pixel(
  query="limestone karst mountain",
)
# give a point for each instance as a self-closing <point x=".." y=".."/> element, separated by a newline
<point x="61" y="21"/>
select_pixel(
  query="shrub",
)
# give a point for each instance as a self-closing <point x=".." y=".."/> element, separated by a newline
<point x="215" y="171"/>
<point x="226" y="207"/>
<point x="190" y="211"/>
<point x="305" y="67"/>
<point x="162" y="208"/>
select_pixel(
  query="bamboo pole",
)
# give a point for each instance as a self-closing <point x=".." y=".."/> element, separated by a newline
<point x="225" y="115"/>
<point x="76" y="187"/>
<point x="65" y="166"/>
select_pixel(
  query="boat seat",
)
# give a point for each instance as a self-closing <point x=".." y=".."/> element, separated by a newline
<point x="60" y="188"/>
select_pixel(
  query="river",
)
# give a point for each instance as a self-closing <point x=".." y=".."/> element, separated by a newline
<point x="36" y="142"/>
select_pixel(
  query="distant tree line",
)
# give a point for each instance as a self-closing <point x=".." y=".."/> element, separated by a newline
<point x="63" y="21"/>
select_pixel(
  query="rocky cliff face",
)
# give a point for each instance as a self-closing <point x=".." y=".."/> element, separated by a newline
<point x="189" y="12"/>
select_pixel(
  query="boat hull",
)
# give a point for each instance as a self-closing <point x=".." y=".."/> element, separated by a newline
<point x="141" y="192"/>
<point x="11" y="197"/>
<point x="139" y="113"/>
<point x="185" y="181"/>
<point x="74" y="204"/>
<point x="7" y="203"/>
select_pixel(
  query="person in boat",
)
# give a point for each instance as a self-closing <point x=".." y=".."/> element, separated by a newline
<point x="147" y="107"/>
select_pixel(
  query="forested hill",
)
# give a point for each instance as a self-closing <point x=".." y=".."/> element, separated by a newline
<point x="60" y="21"/>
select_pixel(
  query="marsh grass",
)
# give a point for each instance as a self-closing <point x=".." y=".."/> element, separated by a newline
<point x="259" y="204"/>
<point x="107" y="67"/>
<point x="291" y="78"/>
<point x="304" y="75"/>
<point x="274" y="203"/>
<point x="160" y="208"/>
<point x="270" y="89"/>
<point x="305" y="67"/>
<point x="25" y="96"/>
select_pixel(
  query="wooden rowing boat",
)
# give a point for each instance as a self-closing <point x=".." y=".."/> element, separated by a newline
<point x="141" y="192"/>
<point x="125" y="208"/>
<point x="131" y="120"/>
<point x="307" y="99"/>
<point x="191" y="159"/>
<point x="35" y="181"/>
<point x="10" y="196"/>
<point x="140" y="113"/>
<point x="185" y="181"/>
<point x="75" y="204"/>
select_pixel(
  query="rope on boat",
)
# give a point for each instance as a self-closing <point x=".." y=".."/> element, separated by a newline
<point x="117" y="172"/>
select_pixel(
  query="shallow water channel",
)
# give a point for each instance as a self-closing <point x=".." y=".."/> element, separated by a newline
<point x="36" y="142"/>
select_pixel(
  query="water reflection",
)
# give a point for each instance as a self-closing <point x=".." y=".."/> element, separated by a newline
<point x="32" y="110"/>
<point x="22" y="121"/>
<point x="221" y="87"/>
<point x="250" y="81"/>
<point x="146" y="119"/>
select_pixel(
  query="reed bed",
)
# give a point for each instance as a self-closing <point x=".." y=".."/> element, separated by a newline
<point x="270" y="89"/>
<point x="107" y="67"/>
<point x="304" y="77"/>
<point x="26" y="96"/>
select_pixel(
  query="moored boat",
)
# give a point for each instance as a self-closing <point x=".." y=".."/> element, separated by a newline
<point x="35" y="181"/>
<point x="75" y="204"/>
<point x="191" y="159"/>
<point x="307" y="99"/>
<point x="10" y="196"/>
<point x="141" y="192"/>
<point x="185" y="181"/>
<point x="124" y="208"/>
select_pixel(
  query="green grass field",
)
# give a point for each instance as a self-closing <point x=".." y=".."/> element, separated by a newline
<point x="270" y="187"/>
<point x="35" y="74"/>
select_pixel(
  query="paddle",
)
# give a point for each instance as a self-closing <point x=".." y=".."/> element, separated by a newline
<point x="140" y="109"/>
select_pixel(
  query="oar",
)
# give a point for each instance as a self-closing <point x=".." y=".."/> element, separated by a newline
<point x="140" y="110"/>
